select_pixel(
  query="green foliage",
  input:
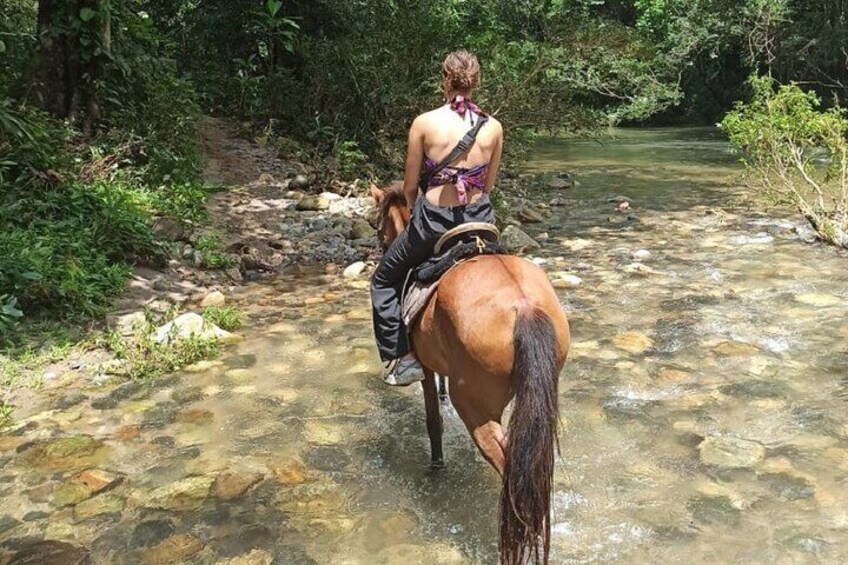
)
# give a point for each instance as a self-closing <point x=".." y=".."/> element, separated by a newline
<point x="76" y="211"/>
<point x="225" y="317"/>
<point x="148" y="359"/>
<point x="6" y="415"/>
<point x="796" y="153"/>
<point x="212" y="257"/>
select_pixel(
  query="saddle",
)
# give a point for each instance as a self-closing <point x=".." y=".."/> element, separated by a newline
<point x="457" y="245"/>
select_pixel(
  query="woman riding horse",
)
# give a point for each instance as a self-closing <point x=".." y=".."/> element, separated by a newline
<point x="455" y="195"/>
<point x="494" y="326"/>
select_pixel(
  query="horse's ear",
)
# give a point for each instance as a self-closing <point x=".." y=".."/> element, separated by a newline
<point x="376" y="193"/>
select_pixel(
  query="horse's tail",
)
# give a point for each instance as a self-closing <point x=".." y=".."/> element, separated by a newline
<point x="533" y="432"/>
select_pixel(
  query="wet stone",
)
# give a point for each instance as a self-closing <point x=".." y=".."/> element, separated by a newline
<point x="731" y="452"/>
<point x="187" y="395"/>
<point x="35" y="515"/>
<point x="67" y="453"/>
<point x="787" y="487"/>
<point x="240" y="361"/>
<point x="51" y="552"/>
<point x="327" y="458"/>
<point x="291" y="472"/>
<point x="187" y="494"/>
<point x="230" y="486"/>
<point x="756" y="388"/>
<point x="160" y="416"/>
<point x="128" y="433"/>
<point x="7" y="523"/>
<point x="255" y="557"/>
<point x="633" y="342"/>
<point x="172" y="550"/>
<point x="713" y="510"/>
<point x="164" y="441"/>
<point x="196" y="417"/>
<point x="256" y="536"/>
<point x="152" y="532"/>
<point x="70" y="401"/>
<point x="98" y="506"/>
<point x="735" y="349"/>
<point x="85" y="485"/>
<point x="123" y="392"/>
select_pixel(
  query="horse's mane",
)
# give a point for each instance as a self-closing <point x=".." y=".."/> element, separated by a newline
<point x="393" y="194"/>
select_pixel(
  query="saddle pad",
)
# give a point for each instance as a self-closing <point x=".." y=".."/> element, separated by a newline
<point x="415" y="299"/>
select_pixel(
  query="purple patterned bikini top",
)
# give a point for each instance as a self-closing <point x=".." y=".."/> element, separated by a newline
<point x="460" y="177"/>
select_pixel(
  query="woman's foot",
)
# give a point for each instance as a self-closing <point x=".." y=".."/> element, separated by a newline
<point x="404" y="372"/>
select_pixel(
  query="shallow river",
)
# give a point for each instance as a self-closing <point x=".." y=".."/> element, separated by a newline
<point x="703" y="404"/>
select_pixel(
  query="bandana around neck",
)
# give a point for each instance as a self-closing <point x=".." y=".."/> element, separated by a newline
<point x="461" y="104"/>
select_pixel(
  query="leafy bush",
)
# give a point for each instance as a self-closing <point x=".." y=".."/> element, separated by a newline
<point x="225" y="317"/>
<point x="795" y="153"/>
<point x="148" y="359"/>
<point x="211" y="255"/>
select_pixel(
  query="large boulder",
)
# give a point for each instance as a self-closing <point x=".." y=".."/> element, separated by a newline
<point x="191" y="325"/>
<point x="516" y="241"/>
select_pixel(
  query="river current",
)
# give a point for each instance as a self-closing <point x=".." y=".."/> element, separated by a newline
<point x="703" y="403"/>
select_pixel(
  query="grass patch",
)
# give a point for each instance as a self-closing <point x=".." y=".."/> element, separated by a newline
<point x="211" y="255"/>
<point x="6" y="415"/>
<point x="225" y="317"/>
<point x="146" y="358"/>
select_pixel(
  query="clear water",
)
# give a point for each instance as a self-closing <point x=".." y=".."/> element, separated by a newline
<point x="732" y="327"/>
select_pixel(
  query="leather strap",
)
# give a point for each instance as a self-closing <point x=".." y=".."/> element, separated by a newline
<point x="463" y="146"/>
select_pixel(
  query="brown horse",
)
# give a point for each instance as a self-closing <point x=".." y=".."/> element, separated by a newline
<point x="496" y="328"/>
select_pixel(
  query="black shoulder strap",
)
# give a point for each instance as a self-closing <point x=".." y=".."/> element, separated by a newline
<point x="464" y="145"/>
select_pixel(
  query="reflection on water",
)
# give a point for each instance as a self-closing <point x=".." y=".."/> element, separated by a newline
<point x="704" y="404"/>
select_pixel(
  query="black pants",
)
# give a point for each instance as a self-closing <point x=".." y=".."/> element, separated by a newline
<point x="413" y="247"/>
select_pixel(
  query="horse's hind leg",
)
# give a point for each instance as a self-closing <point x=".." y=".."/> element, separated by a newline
<point x="484" y="425"/>
<point x="434" y="418"/>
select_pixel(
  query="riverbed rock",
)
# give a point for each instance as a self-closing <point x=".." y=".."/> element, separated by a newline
<point x="126" y="324"/>
<point x="565" y="280"/>
<point x="514" y="240"/>
<point x="175" y="549"/>
<point x="563" y="182"/>
<point x="360" y="229"/>
<point x="731" y="452"/>
<point x="152" y="532"/>
<point x="530" y="216"/>
<point x="84" y="485"/>
<point x="641" y="254"/>
<point x="735" y="349"/>
<point x="818" y="299"/>
<point x="231" y="486"/>
<point x="633" y="342"/>
<point x="192" y="325"/>
<point x="50" y="552"/>
<point x="181" y="496"/>
<point x="290" y="472"/>
<point x="354" y="270"/>
<point x="353" y="207"/>
<point x="67" y="453"/>
<point x="99" y="505"/>
<point x="255" y="557"/>
<point x="214" y="298"/>
<point x="299" y="182"/>
<point x="170" y="228"/>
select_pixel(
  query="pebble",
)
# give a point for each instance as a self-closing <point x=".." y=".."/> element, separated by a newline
<point x="641" y="254"/>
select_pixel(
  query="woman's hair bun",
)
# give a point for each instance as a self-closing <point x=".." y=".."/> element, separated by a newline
<point x="461" y="71"/>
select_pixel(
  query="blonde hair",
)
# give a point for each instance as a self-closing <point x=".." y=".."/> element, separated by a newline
<point x="460" y="71"/>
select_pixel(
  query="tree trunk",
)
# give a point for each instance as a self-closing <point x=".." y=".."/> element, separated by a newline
<point x="70" y="59"/>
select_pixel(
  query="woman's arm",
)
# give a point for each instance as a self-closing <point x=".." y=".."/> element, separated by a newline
<point x="495" y="161"/>
<point x="414" y="162"/>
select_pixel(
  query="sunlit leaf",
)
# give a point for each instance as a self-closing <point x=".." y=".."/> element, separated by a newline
<point x="87" y="14"/>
